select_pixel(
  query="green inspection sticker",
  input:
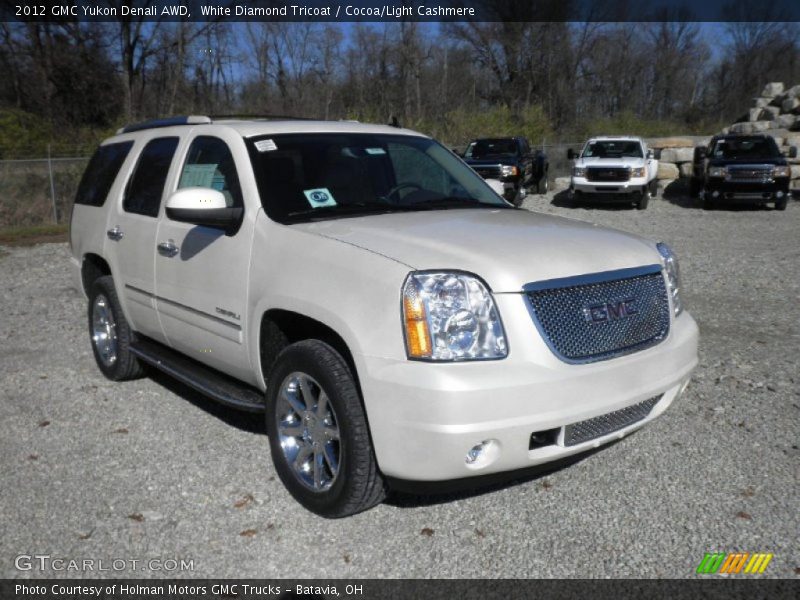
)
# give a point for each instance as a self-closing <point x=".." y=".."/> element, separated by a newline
<point x="319" y="197"/>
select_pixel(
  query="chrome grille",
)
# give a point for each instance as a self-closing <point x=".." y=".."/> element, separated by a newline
<point x="608" y="174"/>
<point x="750" y="173"/>
<point x="590" y="429"/>
<point x="601" y="316"/>
<point x="492" y="172"/>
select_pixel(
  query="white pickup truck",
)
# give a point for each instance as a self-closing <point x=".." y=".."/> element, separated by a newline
<point x="613" y="168"/>
<point x="393" y="317"/>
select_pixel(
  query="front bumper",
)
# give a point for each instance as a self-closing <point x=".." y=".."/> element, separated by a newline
<point x="612" y="188"/>
<point x="720" y="189"/>
<point x="425" y="417"/>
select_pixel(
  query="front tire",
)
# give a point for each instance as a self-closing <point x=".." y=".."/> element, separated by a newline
<point x="781" y="204"/>
<point x="110" y="334"/>
<point x="318" y="432"/>
<point x="644" y="199"/>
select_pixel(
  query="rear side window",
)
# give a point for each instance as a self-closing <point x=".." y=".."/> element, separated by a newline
<point x="143" y="195"/>
<point x="209" y="164"/>
<point x="101" y="173"/>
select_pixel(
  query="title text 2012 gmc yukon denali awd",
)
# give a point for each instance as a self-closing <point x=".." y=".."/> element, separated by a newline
<point x="392" y="315"/>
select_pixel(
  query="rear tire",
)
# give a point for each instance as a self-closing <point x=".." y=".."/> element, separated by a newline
<point x="110" y="334"/>
<point x="318" y="432"/>
<point x="694" y="188"/>
<point x="542" y="186"/>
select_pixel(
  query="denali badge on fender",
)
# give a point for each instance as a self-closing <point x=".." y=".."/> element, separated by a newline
<point x="610" y="311"/>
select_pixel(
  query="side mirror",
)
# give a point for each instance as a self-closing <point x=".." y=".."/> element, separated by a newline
<point x="202" y="206"/>
<point x="650" y="154"/>
<point x="792" y="151"/>
<point x="699" y="154"/>
<point x="570" y="154"/>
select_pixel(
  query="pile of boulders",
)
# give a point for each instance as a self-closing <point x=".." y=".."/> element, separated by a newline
<point x="776" y="109"/>
<point x="677" y="155"/>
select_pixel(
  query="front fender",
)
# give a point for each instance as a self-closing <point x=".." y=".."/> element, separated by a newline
<point x="351" y="290"/>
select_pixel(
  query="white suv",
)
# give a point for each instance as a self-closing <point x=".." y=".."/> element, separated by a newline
<point x="610" y="168"/>
<point x="393" y="316"/>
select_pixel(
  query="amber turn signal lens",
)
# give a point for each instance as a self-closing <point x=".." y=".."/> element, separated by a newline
<point x="418" y="339"/>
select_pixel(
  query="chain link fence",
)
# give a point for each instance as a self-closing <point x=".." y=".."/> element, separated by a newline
<point x="38" y="191"/>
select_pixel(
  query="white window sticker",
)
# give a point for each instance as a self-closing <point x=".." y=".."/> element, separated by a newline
<point x="375" y="151"/>
<point x="319" y="197"/>
<point x="266" y="146"/>
<point x="198" y="176"/>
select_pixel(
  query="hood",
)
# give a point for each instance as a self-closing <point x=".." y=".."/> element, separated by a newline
<point x="594" y="161"/>
<point x="490" y="162"/>
<point x="771" y="160"/>
<point x="507" y="248"/>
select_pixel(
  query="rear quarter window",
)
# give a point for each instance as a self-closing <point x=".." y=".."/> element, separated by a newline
<point x="101" y="172"/>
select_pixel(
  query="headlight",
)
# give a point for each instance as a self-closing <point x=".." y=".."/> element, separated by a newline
<point x="717" y="171"/>
<point x="673" y="275"/>
<point x="781" y="171"/>
<point x="637" y="172"/>
<point x="579" y="171"/>
<point x="451" y="316"/>
<point x="508" y="170"/>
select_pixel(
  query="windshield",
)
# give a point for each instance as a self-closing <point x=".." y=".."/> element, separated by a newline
<point x="331" y="175"/>
<point x="496" y="147"/>
<point x="754" y="147"/>
<point x="613" y="149"/>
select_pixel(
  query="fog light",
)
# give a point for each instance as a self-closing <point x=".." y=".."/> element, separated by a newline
<point x="715" y="194"/>
<point x="779" y="194"/>
<point x="482" y="455"/>
<point x="476" y="452"/>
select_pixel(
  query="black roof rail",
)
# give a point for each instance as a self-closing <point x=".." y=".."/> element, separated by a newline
<point x="168" y="122"/>
<point x="270" y="117"/>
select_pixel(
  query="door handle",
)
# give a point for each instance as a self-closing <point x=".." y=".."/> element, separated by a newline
<point x="114" y="234"/>
<point x="168" y="249"/>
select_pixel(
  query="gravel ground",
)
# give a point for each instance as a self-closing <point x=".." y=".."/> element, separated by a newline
<point x="147" y="469"/>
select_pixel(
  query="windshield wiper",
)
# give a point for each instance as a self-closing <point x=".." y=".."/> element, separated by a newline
<point x="450" y="202"/>
<point x="342" y="209"/>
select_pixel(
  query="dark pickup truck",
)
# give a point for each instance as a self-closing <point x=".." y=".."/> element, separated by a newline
<point x="748" y="168"/>
<point x="512" y="161"/>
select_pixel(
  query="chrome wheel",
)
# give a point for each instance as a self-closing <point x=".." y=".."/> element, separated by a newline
<point x="308" y="432"/>
<point x="104" y="330"/>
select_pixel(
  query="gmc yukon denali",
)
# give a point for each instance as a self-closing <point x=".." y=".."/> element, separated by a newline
<point x="392" y="316"/>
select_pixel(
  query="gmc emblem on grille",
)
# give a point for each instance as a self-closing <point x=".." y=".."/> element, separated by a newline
<point x="610" y="311"/>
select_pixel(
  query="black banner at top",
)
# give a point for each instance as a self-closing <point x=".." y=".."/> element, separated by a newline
<point x="402" y="10"/>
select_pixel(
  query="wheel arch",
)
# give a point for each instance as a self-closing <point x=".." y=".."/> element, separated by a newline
<point x="93" y="266"/>
<point x="281" y="327"/>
